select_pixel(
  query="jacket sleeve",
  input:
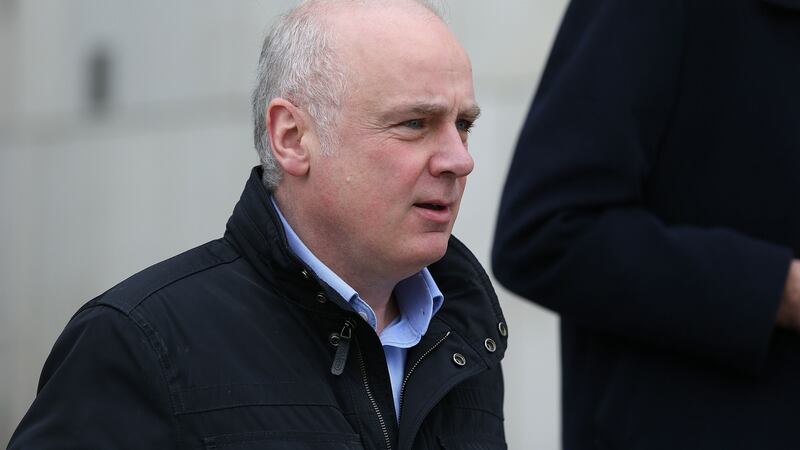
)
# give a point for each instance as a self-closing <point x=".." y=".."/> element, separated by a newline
<point x="573" y="233"/>
<point x="101" y="388"/>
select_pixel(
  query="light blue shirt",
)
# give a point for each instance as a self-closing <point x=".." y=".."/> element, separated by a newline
<point x="418" y="299"/>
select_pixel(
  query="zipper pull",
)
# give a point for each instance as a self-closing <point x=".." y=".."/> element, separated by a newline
<point x="343" y="348"/>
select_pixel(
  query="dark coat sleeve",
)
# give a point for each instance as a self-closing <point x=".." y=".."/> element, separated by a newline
<point x="101" y="388"/>
<point x="574" y="232"/>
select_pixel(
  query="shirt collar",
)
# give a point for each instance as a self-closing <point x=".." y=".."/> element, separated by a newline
<point x="318" y="267"/>
<point x="418" y="296"/>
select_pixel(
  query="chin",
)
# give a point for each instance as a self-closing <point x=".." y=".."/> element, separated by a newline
<point x="429" y="251"/>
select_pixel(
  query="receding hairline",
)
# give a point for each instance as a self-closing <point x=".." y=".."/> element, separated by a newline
<point x="321" y="8"/>
<point x="331" y="14"/>
<point x="326" y="12"/>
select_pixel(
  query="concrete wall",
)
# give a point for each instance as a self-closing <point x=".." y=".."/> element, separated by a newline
<point x="91" y="193"/>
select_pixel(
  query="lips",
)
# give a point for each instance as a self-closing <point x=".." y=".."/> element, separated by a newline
<point x="434" y="210"/>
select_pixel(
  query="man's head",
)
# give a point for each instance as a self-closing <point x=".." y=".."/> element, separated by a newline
<point x="372" y="144"/>
<point x="297" y="63"/>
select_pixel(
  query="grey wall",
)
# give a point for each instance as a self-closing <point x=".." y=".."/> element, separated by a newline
<point x="88" y="196"/>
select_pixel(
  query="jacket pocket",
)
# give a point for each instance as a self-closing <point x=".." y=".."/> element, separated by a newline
<point x="471" y="442"/>
<point x="284" y="440"/>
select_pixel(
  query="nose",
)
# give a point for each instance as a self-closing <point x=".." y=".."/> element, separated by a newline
<point x="451" y="157"/>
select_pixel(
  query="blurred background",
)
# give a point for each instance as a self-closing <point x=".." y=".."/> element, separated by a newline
<point x="125" y="138"/>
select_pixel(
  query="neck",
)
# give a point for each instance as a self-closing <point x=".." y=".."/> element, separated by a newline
<point x="374" y="288"/>
<point x="385" y="308"/>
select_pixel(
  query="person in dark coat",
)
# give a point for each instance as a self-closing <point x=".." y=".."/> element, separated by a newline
<point x="653" y="202"/>
<point x="337" y="312"/>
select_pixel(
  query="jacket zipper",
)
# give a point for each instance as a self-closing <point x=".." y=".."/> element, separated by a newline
<point x="342" y="348"/>
<point x="339" y="361"/>
<point x="411" y="370"/>
<point x="375" y="407"/>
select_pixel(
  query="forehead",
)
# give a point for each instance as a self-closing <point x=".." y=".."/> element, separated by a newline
<point x="406" y="55"/>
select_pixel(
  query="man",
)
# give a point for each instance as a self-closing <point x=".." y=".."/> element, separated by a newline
<point x="336" y="312"/>
<point x="653" y="203"/>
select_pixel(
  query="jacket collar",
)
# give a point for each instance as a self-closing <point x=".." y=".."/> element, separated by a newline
<point x="789" y="4"/>
<point x="256" y="229"/>
<point x="471" y="307"/>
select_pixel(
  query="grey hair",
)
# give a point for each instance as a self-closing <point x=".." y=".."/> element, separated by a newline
<point x="298" y="63"/>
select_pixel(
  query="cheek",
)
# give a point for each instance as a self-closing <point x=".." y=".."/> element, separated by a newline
<point x="396" y="178"/>
<point x="365" y="196"/>
<point x="386" y="178"/>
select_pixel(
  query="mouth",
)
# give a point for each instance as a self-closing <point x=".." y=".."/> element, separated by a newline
<point x="435" y="211"/>
<point x="431" y="206"/>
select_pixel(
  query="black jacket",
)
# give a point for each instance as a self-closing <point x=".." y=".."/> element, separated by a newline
<point x="654" y="203"/>
<point x="230" y="346"/>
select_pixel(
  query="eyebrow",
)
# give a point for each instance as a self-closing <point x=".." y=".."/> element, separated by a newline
<point x="433" y="109"/>
<point x="472" y="113"/>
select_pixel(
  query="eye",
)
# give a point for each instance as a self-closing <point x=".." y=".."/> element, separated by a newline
<point x="414" y="124"/>
<point x="464" y="125"/>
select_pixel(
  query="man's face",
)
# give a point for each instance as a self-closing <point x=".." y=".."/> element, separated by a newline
<point x="387" y="197"/>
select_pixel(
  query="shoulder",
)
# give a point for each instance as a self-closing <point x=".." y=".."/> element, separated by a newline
<point x="179" y="274"/>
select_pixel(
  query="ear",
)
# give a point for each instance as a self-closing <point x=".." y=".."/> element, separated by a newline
<point x="286" y="125"/>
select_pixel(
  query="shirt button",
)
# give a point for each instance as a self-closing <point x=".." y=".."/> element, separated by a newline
<point x="490" y="345"/>
<point x="364" y="316"/>
<point x="459" y="359"/>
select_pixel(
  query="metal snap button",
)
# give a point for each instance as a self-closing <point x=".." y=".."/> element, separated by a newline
<point x="321" y="298"/>
<point x="490" y="345"/>
<point x="459" y="359"/>
<point x="304" y="274"/>
<point x="503" y="329"/>
<point x="334" y="339"/>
